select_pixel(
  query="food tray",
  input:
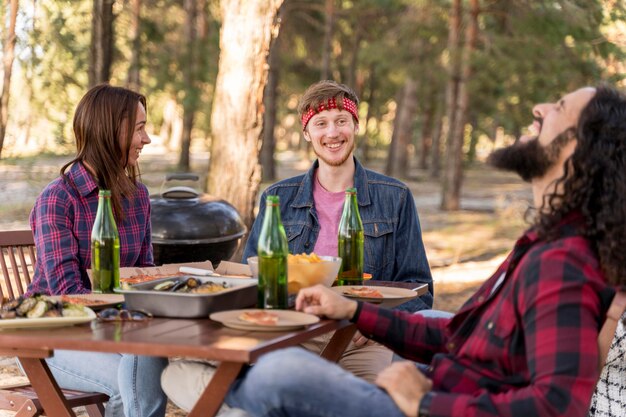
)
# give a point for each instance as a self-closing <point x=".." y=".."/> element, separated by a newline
<point x="241" y="293"/>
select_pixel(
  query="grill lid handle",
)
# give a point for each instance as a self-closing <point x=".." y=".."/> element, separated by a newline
<point x="180" y="192"/>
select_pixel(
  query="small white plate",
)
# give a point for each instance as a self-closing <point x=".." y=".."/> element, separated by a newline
<point x="43" y="322"/>
<point x="287" y="320"/>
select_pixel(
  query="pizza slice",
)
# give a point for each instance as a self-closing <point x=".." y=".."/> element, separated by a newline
<point x="364" y="292"/>
<point x="262" y="318"/>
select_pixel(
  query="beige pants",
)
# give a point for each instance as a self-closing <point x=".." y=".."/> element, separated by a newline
<point x="363" y="361"/>
<point x="184" y="380"/>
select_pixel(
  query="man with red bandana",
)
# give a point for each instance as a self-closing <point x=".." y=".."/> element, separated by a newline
<point x="311" y="206"/>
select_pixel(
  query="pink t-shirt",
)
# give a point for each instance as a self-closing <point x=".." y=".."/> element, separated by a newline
<point x="329" y="207"/>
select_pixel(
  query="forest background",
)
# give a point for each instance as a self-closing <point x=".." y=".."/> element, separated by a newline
<point x="441" y="82"/>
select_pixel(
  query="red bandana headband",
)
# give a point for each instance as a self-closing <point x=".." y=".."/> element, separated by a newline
<point x="348" y="105"/>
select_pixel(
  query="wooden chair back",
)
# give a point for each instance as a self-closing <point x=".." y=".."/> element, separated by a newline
<point x="17" y="262"/>
<point x="607" y="332"/>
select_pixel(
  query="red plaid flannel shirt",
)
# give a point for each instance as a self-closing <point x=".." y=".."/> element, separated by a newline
<point x="527" y="347"/>
<point x="61" y="221"/>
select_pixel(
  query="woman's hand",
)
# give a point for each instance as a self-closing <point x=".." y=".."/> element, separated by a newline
<point x="322" y="301"/>
<point x="405" y="384"/>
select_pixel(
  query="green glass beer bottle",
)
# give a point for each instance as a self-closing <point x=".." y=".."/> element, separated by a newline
<point x="272" y="250"/>
<point x="350" y="242"/>
<point x="105" y="247"/>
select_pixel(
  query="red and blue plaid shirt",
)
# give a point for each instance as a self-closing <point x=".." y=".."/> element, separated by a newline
<point x="522" y="346"/>
<point x="61" y="222"/>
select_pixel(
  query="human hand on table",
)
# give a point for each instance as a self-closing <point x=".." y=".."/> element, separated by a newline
<point x="322" y="301"/>
<point x="405" y="385"/>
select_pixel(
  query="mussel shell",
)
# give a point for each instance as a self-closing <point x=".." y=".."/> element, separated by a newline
<point x="40" y="308"/>
<point x="9" y="305"/>
<point x="28" y="304"/>
<point x="165" y="285"/>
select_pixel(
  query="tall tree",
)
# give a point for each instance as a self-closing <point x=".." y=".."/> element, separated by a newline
<point x="266" y="155"/>
<point x="189" y="67"/>
<point x="451" y="191"/>
<point x="234" y="172"/>
<point x="101" y="42"/>
<point x="329" y="24"/>
<point x="8" y="55"/>
<point x="397" y="161"/>
<point x="133" y="80"/>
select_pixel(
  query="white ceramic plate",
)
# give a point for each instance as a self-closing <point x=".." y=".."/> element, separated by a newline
<point x="93" y="301"/>
<point x="43" y="322"/>
<point x="287" y="320"/>
<point x="388" y="293"/>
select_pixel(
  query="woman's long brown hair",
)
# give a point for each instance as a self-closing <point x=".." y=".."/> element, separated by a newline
<point x="104" y="123"/>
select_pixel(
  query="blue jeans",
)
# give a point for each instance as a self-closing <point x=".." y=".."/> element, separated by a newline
<point x="133" y="383"/>
<point x="295" y="382"/>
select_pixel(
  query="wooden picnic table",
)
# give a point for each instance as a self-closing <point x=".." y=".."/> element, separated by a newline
<point x="166" y="337"/>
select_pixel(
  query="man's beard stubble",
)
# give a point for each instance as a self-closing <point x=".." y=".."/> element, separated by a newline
<point x="529" y="159"/>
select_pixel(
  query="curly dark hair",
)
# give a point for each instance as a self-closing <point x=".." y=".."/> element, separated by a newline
<point x="594" y="182"/>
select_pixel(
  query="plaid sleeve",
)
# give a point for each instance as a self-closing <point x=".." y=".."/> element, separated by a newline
<point x="412" y="336"/>
<point x="57" y="246"/>
<point x="146" y="256"/>
<point x="560" y="309"/>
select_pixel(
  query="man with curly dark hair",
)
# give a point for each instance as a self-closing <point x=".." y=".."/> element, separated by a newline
<point x="525" y="343"/>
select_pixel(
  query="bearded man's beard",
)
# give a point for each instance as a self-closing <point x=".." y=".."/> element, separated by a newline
<point x="529" y="159"/>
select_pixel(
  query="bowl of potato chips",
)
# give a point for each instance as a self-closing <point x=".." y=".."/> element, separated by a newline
<point x="305" y="270"/>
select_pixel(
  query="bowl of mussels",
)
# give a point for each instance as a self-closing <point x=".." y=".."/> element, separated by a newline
<point x="187" y="296"/>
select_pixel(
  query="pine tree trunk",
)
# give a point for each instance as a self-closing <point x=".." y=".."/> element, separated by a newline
<point x="435" y="153"/>
<point x="451" y="193"/>
<point x="328" y="39"/>
<point x="101" y="42"/>
<point x="135" y="38"/>
<point x="426" y="140"/>
<point x="398" y="161"/>
<point x="189" y="80"/>
<point x="268" y="146"/>
<point x="8" y="56"/>
<point x="236" y="120"/>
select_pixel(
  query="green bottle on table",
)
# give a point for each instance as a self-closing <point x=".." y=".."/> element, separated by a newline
<point x="350" y="241"/>
<point x="105" y="247"/>
<point x="272" y="250"/>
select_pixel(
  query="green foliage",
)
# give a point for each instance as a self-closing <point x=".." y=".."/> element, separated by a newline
<point x="527" y="52"/>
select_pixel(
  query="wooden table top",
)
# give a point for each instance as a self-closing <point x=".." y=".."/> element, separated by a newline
<point x="201" y="338"/>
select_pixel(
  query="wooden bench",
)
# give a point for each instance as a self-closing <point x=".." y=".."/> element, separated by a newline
<point x="17" y="261"/>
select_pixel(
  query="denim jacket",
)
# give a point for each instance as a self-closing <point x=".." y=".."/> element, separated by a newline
<point x="394" y="250"/>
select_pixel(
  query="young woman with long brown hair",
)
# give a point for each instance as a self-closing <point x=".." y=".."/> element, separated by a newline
<point x="109" y="128"/>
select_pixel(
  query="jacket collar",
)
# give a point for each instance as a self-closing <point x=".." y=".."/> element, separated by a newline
<point x="304" y="198"/>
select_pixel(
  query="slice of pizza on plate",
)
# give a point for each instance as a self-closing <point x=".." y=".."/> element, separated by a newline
<point x="363" y="292"/>
<point x="260" y="317"/>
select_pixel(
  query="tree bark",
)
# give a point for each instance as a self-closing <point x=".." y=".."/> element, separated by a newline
<point x="236" y="120"/>
<point x="101" y="42"/>
<point x="435" y="152"/>
<point x="133" y="81"/>
<point x="461" y="72"/>
<point x="398" y="161"/>
<point x="328" y="39"/>
<point x="364" y="145"/>
<point x="426" y="141"/>
<point x="189" y="68"/>
<point x="8" y="56"/>
<point x="268" y="146"/>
